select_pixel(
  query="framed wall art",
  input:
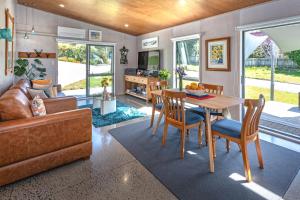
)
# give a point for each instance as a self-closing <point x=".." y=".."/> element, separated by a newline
<point x="150" y="43"/>
<point x="9" y="45"/>
<point x="218" y="54"/>
<point x="95" y="35"/>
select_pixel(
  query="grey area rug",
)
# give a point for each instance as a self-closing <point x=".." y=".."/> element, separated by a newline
<point x="190" y="179"/>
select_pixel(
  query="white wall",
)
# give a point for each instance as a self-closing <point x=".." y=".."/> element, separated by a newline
<point x="47" y="23"/>
<point x="222" y="26"/>
<point x="5" y="81"/>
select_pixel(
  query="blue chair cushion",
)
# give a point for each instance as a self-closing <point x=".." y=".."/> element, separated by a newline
<point x="228" y="127"/>
<point x="201" y="112"/>
<point x="159" y="106"/>
<point x="192" y="118"/>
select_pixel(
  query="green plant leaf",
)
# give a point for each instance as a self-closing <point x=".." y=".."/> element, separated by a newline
<point x="38" y="61"/>
<point x="19" y="71"/>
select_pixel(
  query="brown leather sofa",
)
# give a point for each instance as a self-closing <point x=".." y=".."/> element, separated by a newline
<point x="30" y="145"/>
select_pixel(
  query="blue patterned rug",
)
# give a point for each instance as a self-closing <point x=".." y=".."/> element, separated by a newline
<point x="124" y="112"/>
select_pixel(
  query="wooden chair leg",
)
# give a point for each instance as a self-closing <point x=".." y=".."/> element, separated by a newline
<point x="182" y="143"/>
<point x="165" y="133"/>
<point x="259" y="154"/>
<point x="214" y="146"/>
<point x="246" y="163"/>
<point x="152" y="117"/>
<point x="206" y="140"/>
<point x="227" y="145"/>
<point x="200" y="134"/>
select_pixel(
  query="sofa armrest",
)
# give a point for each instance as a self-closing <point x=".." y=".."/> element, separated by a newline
<point x="60" y="104"/>
<point x="27" y="138"/>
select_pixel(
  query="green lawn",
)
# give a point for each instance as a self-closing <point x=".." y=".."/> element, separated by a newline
<point x="94" y="82"/>
<point x="264" y="73"/>
<point x="252" y="92"/>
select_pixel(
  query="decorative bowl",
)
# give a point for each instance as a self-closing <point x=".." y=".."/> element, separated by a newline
<point x="196" y="92"/>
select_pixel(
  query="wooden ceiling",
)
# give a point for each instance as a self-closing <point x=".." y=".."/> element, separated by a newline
<point x="142" y="16"/>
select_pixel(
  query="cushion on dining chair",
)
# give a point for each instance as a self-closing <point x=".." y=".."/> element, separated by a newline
<point x="159" y="106"/>
<point x="201" y="111"/>
<point x="192" y="118"/>
<point x="228" y="127"/>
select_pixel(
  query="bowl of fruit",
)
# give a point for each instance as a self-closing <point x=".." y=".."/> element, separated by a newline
<point x="195" y="89"/>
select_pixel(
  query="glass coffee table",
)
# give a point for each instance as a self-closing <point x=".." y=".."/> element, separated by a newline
<point x="106" y="106"/>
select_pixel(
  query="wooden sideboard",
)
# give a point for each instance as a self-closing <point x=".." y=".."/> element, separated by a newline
<point x="143" y="82"/>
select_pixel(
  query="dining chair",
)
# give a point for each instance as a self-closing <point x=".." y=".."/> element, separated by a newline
<point x="177" y="116"/>
<point x="216" y="114"/>
<point x="242" y="133"/>
<point x="157" y="102"/>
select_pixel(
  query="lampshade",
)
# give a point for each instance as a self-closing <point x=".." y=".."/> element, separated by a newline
<point x="5" y="33"/>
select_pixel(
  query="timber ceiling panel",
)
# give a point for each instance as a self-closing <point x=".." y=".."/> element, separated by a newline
<point x="142" y="16"/>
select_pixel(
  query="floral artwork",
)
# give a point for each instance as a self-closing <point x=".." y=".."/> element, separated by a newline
<point x="218" y="54"/>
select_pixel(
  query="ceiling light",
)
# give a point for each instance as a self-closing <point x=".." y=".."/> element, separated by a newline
<point x="61" y="5"/>
<point x="32" y="30"/>
<point x="126" y="25"/>
<point x="182" y="2"/>
<point x="26" y="36"/>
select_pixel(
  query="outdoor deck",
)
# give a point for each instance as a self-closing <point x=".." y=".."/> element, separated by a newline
<point x="281" y="116"/>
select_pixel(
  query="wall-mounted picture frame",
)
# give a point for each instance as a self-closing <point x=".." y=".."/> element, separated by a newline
<point x="218" y="54"/>
<point x="95" y="35"/>
<point x="150" y="43"/>
<point x="9" y="45"/>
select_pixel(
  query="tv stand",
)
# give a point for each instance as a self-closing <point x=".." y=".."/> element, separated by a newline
<point x="143" y="82"/>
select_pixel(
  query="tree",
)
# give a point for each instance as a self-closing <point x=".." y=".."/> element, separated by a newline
<point x="294" y="56"/>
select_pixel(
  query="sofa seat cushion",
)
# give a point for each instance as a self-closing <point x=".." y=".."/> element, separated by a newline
<point x="23" y="85"/>
<point x="14" y="105"/>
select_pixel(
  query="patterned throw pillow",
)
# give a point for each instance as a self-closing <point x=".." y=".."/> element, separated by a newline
<point x="37" y="106"/>
<point x="34" y="92"/>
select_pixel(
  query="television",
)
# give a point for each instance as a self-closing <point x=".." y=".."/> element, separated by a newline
<point x="149" y="60"/>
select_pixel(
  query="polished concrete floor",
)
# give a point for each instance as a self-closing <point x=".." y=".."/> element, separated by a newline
<point x="111" y="173"/>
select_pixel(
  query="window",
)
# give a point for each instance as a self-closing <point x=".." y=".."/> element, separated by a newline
<point x="187" y="55"/>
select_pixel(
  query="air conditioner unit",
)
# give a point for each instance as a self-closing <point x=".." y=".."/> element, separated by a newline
<point x="71" y="33"/>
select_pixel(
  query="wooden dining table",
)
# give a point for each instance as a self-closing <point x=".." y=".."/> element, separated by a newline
<point x="217" y="102"/>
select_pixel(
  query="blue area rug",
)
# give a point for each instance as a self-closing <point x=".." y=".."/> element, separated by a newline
<point x="189" y="179"/>
<point x="124" y="112"/>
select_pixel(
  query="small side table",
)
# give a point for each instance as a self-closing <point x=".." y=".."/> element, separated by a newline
<point x="106" y="106"/>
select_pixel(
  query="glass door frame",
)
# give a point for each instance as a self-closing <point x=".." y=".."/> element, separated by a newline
<point x="86" y="42"/>
<point x="88" y="74"/>
<point x="179" y="39"/>
<point x="251" y="27"/>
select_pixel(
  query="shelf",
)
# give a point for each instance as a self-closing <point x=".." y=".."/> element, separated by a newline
<point x="34" y="55"/>
<point x="136" y="95"/>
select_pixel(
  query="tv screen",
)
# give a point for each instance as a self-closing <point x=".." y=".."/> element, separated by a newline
<point x="149" y="60"/>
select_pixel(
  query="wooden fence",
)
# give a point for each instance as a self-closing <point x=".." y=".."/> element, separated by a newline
<point x="281" y="63"/>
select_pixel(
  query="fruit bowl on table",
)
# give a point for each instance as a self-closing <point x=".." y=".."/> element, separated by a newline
<point x="196" y="92"/>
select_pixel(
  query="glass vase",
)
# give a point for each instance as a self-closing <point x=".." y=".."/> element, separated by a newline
<point x="180" y="83"/>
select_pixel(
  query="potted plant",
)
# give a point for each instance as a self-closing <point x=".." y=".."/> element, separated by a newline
<point x="105" y="84"/>
<point x="36" y="69"/>
<point x="164" y="74"/>
<point x="181" y="73"/>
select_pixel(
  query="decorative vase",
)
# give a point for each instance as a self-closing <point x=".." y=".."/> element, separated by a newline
<point x="105" y="94"/>
<point x="180" y="83"/>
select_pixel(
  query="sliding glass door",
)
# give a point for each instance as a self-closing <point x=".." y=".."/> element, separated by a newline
<point x="100" y="67"/>
<point x="271" y="66"/>
<point x="187" y="55"/>
<point x="82" y="68"/>
<point x="72" y="68"/>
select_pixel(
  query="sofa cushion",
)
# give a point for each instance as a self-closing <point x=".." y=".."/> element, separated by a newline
<point x="14" y="105"/>
<point x="23" y="85"/>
